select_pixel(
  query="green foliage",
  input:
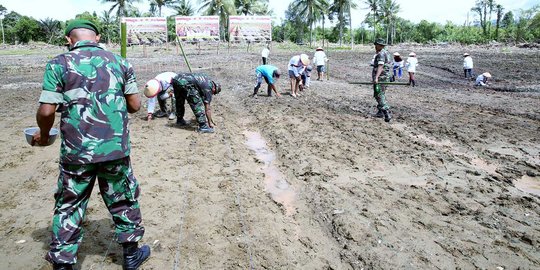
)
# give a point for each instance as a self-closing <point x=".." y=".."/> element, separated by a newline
<point x="27" y="29"/>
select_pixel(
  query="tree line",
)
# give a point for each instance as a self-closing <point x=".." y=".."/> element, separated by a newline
<point x="304" y="22"/>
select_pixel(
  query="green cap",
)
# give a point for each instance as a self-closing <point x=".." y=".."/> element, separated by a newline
<point x="379" y="41"/>
<point x="81" y="24"/>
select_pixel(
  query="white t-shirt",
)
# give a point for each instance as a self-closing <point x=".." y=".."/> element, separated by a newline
<point x="319" y="58"/>
<point x="165" y="79"/>
<point x="480" y="80"/>
<point x="411" y="64"/>
<point x="467" y="62"/>
<point x="265" y="52"/>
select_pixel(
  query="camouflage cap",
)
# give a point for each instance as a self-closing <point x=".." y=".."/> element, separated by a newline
<point x="379" y="41"/>
<point x="81" y="24"/>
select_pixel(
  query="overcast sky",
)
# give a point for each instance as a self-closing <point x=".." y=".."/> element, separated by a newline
<point x="414" y="10"/>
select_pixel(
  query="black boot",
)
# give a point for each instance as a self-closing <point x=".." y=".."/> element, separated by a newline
<point x="379" y="114"/>
<point x="62" y="266"/>
<point x="387" y="115"/>
<point x="134" y="256"/>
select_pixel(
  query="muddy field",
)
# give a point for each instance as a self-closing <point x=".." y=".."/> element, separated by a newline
<point x="316" y="182"/>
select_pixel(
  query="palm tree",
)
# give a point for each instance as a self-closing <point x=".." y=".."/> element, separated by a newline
<point x="311" y="10"/>
<point x="108" y="23"/>
<point x="343" y="10"/>
<point x="163" y="3"/>
<point x="389" y="9"/>
<point x="122" y="6"/>
<point x="500" y="11"/>
<point x="50" y="27"/>
<point x="183" y="8"/>
<point x="3" y="11"/>
<point x="251" y="7"/>
<point x="222" y="8"/>
<point x="373" y="6"/>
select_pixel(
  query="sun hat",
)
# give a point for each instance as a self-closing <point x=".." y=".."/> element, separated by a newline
<point x="379" y="41"/>
<point x="304" y="59"/>
<point x="86" y="24"/>
<point x="319" y="49"/>
<point x="152" y="88"/>
<point x="486" y="74"/>
<point x="466" y="54"/>
<point x="396" y="54"/>
<point x="412" y="54"/>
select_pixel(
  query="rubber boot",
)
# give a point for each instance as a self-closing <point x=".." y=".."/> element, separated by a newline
<point x="379" y="114"/>
<point x="134" y="256"/>
<point x="387" y="115"/>
<point x="62" y="266"/>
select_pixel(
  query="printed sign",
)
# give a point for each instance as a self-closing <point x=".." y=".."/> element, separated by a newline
<point x="197" y="28"/>
<point x="146" y="30"/>
<point x="250" y="28"/>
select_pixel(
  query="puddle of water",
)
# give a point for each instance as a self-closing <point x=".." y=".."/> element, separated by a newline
<point x="529" y="184"/>
<point x="274" y="180"/>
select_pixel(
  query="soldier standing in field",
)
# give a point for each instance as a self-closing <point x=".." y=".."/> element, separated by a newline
<point x="94" y="90"/>
<point x="382" y="62"/>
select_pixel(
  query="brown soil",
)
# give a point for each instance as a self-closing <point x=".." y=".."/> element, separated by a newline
<point x="434" y="189"/>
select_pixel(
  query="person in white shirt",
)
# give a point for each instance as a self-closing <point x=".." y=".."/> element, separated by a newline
<point x="320" y="59"/>
<point x="265" y="52"/>
<point x="297" y="64"/>
<point x="482" y="79"/>
<point x="397" y="66"/>
<point x="411" y="64"/>
<point x="162" y="82"/>
<point x="467" y="65"/>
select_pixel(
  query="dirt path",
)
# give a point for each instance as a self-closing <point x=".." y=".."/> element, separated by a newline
<point x="308" y="183"/>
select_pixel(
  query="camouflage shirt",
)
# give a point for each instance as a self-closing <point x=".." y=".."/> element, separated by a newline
<point x="382" y="58"/>
<point x="89" y="85"/>
<point x="200" y="81"/>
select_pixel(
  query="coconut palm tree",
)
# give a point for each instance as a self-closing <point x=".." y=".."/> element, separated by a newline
<point x="389" y="10"/>
<point x="310" y="9"/>
<point x="122" y="6"/>
<point x="251" y="7"/>
<point x="343" y="10"/>
<point x="183" y="8"/>
<point x="222" y="8"/>
<point x="108" y="23"/>
<point x="163" y="3"/>
<point x="51" y="28"/>
<point x="373" y="15"/>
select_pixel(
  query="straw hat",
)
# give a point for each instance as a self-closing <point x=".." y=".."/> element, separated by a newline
<point x="304" y="59"/>
<point x="396" y="54"/>
<point x="319" y="49"/>
<point x="412" y="54"/>
<point x="152" y="88"/>
<point x="466" y="54"/>
<point x="486" y="74"/>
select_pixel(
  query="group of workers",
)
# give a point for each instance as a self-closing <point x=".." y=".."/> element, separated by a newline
<point x="468" y="66"/>
<point x="95" y="90"/>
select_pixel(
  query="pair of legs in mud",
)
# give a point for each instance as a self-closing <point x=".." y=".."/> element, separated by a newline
<point x="296" y="84"/>
<point x="260" y="77"/>
<point x="383" y="110"/>
<point x="195" y="101"/>
<point x="412" y="82"/>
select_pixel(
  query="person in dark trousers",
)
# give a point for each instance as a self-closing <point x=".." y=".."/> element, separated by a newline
<point x="94" y="90"/>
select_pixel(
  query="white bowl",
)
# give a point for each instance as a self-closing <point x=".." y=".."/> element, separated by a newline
<point x="29" y="134"/>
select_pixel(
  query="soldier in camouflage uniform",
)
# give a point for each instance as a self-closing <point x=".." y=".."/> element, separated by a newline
<point x="197" y="89"/>
<point x="94" y="90"/>
<point x="381" y="73"/>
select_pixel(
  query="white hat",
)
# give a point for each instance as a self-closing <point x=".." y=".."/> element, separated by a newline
<point x="396" y="54"/>
<point x="304" y="59"/>
<point x="466" y="54"/>
<point x="486" y="74"/>
<point x="152" y="88"/>
<point x="412" y="54"/>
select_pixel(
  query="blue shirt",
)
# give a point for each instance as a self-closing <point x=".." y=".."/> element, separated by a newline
<point x="267" y="71"/>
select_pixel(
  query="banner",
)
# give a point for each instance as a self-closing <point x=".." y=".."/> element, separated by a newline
<point x="146" y="30"/>
<point x="197" y="28"/>
<point x="250" y="28"/>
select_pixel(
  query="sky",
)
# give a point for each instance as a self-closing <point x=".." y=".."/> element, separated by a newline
<point x="439" y="11"/>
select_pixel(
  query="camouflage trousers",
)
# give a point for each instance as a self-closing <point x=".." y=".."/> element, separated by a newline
<point x="194" y="99"/>
<point x="120" y="192"/>
<point x="379" y="95"/>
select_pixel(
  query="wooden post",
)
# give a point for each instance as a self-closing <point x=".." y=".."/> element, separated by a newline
<point x="123" y="40"/>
